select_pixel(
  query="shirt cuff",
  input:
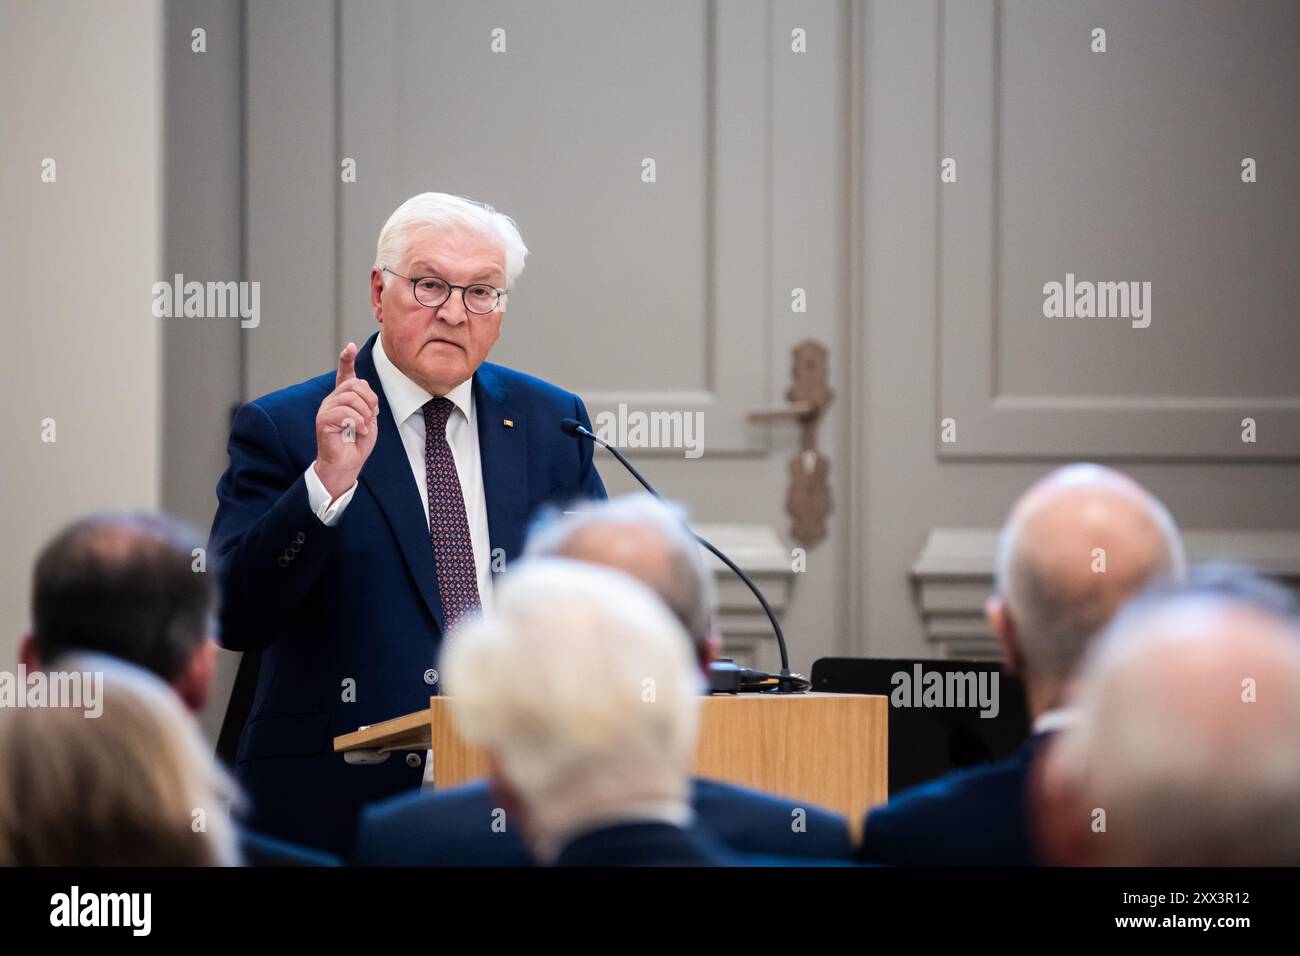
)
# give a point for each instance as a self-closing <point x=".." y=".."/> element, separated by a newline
<point x="318" y="498"/>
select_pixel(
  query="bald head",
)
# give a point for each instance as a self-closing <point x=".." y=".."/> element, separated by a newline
<point x="1077" y="545"/>
<point x="647" y="539"/>
<point x="1188" y="738"/>
<point x="640" y="550"/>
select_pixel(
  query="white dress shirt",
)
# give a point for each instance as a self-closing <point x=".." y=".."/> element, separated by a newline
<point x="1058" y="718"/>
<point x="406" y="400"/>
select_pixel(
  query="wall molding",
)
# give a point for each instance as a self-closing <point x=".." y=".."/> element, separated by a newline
<point x="992" y="425"/>
<point x="953" y="575"/>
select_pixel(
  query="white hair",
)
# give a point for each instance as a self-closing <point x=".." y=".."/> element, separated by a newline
<point x="583" y="686"/>
<point x="451" y="212"/>
<point x="1191" y="768"/>
<point x="688" y="590"/>
<point x="1057" y="611"/>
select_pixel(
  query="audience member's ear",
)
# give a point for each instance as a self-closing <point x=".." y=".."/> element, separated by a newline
<point x="1004" y="629"/>
<point x="27" y="655"/>
<point x="1061" y="826"/>
<point x="195" y="683"/>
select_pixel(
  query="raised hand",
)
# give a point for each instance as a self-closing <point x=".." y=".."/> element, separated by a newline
<point x="347" y="425"/>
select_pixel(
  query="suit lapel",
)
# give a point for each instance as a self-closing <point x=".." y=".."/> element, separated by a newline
<point x="503" y="451"/>
<point x="387" y="475"/>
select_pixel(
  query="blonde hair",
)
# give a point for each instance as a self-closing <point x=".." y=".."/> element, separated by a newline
<point x="135" y="786"/>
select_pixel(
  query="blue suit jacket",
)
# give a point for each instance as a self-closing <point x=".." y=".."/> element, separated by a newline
<point x="359" y="601"/>
<point x="970" y="817"/>
<point x="260" y="850"/>
<point x="644" y="844"/>
<point x="455" y="828"/>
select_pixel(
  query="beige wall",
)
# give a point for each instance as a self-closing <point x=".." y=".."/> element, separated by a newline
<point x="78" y="258"/>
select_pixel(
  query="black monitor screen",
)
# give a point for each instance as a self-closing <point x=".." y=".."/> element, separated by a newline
<point x="943" y="714"/>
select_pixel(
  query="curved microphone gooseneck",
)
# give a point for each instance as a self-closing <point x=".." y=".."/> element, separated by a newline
<point x="787" y="683"/>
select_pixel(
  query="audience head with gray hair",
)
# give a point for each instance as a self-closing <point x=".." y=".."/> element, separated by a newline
<point x="1238" y="582"/>
<point x="1186" y="746"/>
<point x="1077" y="545"/>
<point x="647" y="538"/>
<point x="583" y="689"/>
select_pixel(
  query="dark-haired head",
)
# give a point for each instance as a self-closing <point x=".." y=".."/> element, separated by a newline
<point x="131" y="586"/>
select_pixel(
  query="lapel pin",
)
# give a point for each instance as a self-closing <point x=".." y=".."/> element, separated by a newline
<point x="508" y="422"/>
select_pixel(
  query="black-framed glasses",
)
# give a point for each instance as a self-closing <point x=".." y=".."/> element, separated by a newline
<point x="432" y="291"/>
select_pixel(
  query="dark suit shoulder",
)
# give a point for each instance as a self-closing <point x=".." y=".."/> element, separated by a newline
<point x="444" y="828"/>
<point x="514" y="384"/>
<point x="967" y="783"/>
<point x="644" y="844"/>
<point x="261" y="850"/>
<point x="973" y="816"/>
<point x="418" y="803"/>
<point x="708" y="791"/>
<point x="291" y="414"/>
<point x="751" y="821"/>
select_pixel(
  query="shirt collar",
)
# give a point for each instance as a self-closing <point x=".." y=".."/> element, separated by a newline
<point x="1058" y="718"/>
<point x="405" y="397"/>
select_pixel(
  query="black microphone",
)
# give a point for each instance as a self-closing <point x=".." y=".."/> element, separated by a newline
<point x="786" y="683"/>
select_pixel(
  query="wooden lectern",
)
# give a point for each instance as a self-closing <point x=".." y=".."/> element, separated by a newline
<point x="825" y="749"/>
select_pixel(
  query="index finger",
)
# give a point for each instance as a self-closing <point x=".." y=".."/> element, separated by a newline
<point x="347" y="365"/>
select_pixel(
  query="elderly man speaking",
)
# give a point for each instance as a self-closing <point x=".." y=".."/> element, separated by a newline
<point x="364" y="512"/>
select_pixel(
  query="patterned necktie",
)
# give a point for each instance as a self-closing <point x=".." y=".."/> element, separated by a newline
<point x="453" y="550"/>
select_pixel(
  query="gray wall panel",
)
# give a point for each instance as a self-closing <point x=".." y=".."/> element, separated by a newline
<point x="202" y="240"/>
<point x="910" y="483"/>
